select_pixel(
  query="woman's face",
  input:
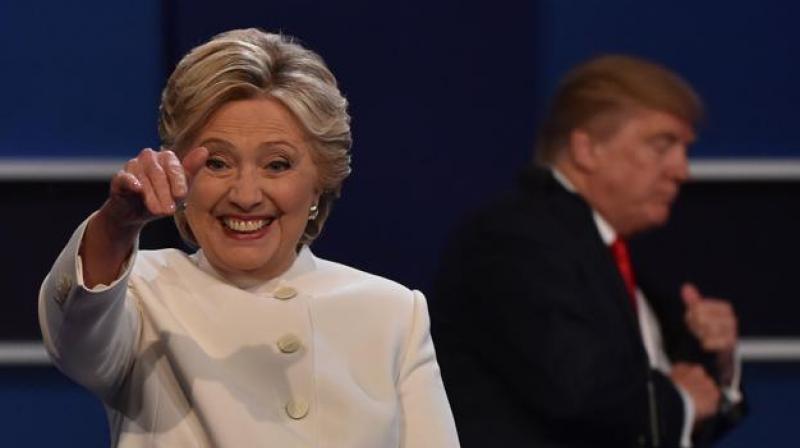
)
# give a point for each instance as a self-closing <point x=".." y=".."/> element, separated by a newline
<point x="249" y="205"/>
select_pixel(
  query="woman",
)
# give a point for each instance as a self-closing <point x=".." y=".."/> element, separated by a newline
<point x="252" y="340"/>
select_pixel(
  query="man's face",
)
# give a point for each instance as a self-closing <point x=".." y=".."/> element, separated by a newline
<point x="639" y="169"/>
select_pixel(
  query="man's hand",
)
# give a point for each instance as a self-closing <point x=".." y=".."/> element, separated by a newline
<point x="701" y="388"/>
<point x="711" y="320"/>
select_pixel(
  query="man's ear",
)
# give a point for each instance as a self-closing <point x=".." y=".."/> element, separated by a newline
<point x="582" y="150"/>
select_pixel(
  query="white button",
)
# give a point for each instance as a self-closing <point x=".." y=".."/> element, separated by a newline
<point x="63" y="286"/>
<point x="297" y="408"/>
<point x="289" y="343"/>
<point x="285" y="293"/>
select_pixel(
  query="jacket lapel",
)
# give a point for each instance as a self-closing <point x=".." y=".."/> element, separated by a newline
<point x="575" y="215"/>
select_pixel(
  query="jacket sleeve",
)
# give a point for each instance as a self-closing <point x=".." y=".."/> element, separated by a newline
<point x="681" y="345"/>
<point x="427" y="418"/>
<point x="90" y="334"/>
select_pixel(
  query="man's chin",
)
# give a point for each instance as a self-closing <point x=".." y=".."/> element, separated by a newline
<point x="658" y="218"/>
<point x="651" y="221"/>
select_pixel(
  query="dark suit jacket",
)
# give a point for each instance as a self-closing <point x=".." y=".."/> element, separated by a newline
<point x="535" y="335"/>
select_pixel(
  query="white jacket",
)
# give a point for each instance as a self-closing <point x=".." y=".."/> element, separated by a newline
<point x="322" y="356"/>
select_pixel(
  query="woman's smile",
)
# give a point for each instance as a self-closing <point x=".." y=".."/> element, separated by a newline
<point x="250" y="204"/>
<point x="246" y="227"/>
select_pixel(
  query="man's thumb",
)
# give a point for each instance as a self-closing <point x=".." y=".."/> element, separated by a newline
<point x="690" y="294"/>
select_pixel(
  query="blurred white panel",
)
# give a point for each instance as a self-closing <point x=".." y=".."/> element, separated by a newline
<point x="745" y="169"/>
<point x="59" y="169"/>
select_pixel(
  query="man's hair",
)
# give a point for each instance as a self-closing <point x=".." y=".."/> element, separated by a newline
<point x="247" y="64"/>
<point x="597" y="94"/>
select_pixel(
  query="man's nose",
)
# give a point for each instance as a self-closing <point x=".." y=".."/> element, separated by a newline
<point x="679" y="164"/>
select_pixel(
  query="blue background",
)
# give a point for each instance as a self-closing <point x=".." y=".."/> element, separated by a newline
<point x="742" y="57"/>
<point x="85" y="81"/>
<point x="79" y="81"/>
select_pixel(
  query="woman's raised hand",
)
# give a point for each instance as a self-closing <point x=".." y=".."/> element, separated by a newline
<point x="148" y="187"/>
<point x="151" y="185"/>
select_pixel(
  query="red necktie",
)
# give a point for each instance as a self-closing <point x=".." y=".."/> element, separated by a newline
<point x="620" y="251"/>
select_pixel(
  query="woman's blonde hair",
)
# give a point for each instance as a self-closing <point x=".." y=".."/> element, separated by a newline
<point x="250" y="63"/>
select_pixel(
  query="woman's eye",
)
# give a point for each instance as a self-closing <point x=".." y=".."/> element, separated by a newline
<point x="215" y="164"/>
<point x="278" y="165"/>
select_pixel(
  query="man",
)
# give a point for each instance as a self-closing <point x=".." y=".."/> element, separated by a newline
<point x="545" y="335"/>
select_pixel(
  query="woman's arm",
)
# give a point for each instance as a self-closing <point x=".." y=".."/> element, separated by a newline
<point x="90" y="333"/>
<point x="427" y="418"/>
<point x="89" y="328"/>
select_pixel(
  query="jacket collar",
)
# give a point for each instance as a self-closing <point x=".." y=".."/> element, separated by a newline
<point x="304" y="263"/>
<point x="576" y="216"/>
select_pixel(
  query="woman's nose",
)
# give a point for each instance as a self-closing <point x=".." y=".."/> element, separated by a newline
<point x="246" y="192"/>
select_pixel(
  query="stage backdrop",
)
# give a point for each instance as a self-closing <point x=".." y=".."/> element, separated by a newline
<point x="445" y="97"/>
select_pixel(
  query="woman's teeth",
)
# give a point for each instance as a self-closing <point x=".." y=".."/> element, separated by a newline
<point x="249" y="225"/>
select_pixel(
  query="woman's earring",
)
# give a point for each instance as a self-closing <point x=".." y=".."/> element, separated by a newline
<point x="313" y="212"/>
